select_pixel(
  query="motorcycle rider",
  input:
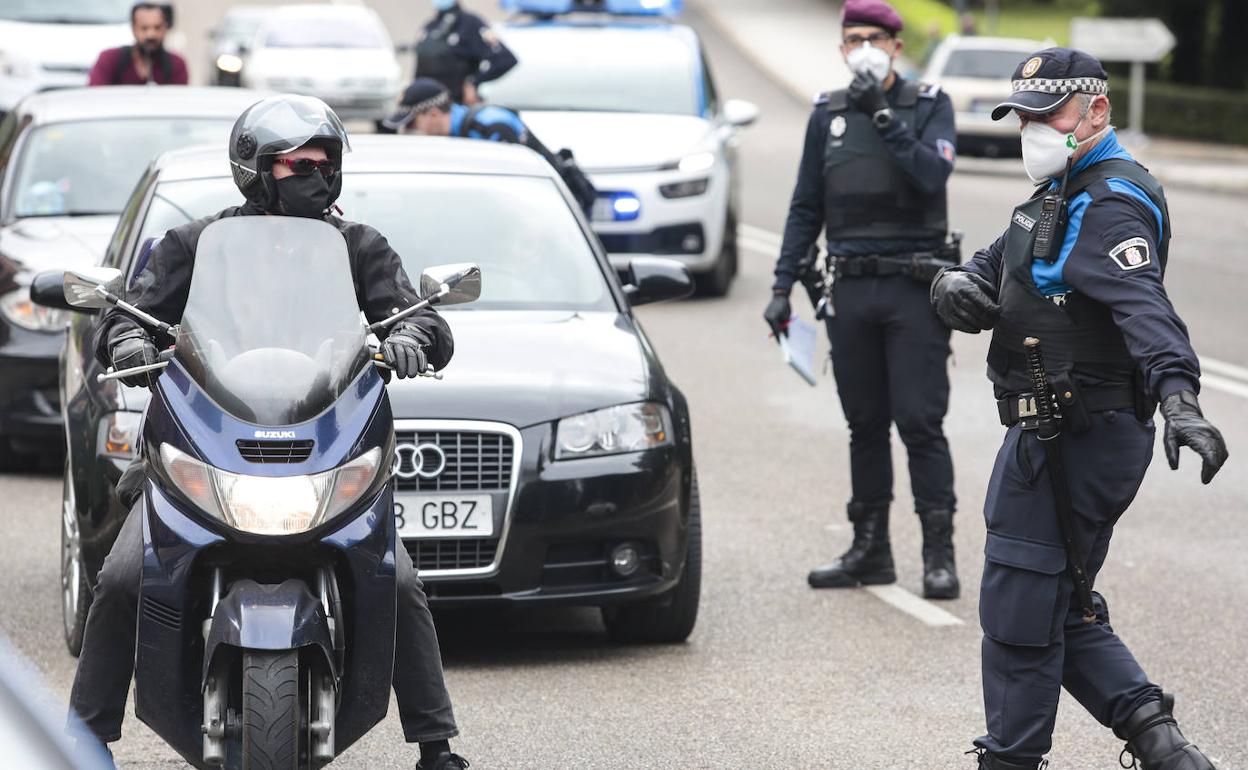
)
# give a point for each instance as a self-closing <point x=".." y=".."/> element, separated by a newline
<point x="286" y="158"/>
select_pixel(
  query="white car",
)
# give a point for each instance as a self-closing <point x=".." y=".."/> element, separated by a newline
<point x="632" y="96"/>
<point x="339" y="53"/>
<point x="48" y="44"/>
<point x="975" y="72"/>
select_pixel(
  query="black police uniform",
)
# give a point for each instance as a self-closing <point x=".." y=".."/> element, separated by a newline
<point x="107" y="664"/>
<point x="1113" y="347"/>
<point x="880" y="193"/>
<point x="459" y="47"/>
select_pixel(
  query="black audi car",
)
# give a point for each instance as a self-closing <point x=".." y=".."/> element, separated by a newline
<point x="553" y="464"/>
<point x="68" y="161"/>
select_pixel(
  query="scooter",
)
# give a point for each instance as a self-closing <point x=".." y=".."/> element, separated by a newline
<point x="267" y="606"/>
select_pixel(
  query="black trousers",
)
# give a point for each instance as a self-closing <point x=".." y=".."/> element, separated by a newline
<point x="106" y="665"/>
<point x="889" y="357"/>
<point x="1035" y="642"/>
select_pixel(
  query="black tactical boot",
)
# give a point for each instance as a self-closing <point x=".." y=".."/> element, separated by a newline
<point x="869" y="560"/>
<point x="1154" y="741"/>
<point x="445" y="761"/>
<point x="992" y="762"/>
<point x="940" y="576"/>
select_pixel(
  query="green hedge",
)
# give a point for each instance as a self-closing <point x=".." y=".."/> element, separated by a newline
<point x="1184" y="112"/>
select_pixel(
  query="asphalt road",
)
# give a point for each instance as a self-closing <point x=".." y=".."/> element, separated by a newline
<point x="778" y="675"/>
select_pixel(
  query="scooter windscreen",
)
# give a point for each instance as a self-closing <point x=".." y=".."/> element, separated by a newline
<point x="272" y="330"/>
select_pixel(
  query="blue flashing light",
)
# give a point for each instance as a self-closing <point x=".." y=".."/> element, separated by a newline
<point x="617" y="207"/>
<point x="668" y="8"/>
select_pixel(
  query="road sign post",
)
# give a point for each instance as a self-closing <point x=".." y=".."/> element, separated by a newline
<point x="1138" y="41"/>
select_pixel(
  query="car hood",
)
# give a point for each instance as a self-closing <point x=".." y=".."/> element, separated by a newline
<point x="68" y="45"/>
<point x="963" y="90"/>
<point x="527" y="367"/>
<point x="606" y="141"/>
<point x="57" y="243"/>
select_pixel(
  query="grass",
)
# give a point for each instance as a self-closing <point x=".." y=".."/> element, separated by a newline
<point x="1016" y="18"/>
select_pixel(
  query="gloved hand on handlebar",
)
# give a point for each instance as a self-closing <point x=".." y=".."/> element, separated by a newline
<point x="404" y="350"/>
<point x="134" y="348"/>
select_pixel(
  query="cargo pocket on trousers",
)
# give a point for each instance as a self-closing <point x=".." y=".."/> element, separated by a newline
<point x="1018" y="603"/>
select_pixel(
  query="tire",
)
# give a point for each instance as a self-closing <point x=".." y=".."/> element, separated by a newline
<point x="75" y="591"/>
<point x="271" y="718"/>
<point x="718" y="280"/>
<point x="670" y="618"/>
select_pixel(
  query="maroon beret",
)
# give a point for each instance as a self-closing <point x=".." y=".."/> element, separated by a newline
<point x="870" y="13"/>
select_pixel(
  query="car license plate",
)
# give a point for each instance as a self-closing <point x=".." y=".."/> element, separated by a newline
<point x="444" y="515"/>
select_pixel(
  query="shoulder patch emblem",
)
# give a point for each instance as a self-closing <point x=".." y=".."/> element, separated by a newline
<point x="490" y="37"/>
<point x="838" y="126"/>
<point x="946" y="149"/>
<point x="1131" y="254"/>
<point x="929" y="90"/>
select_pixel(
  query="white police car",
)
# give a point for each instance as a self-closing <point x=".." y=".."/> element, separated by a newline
<point x="631" y="94"/>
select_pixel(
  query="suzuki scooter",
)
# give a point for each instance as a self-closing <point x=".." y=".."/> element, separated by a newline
<point x="267" y="607"/>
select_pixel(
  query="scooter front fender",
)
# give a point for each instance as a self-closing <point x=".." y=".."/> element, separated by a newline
<point x="255" y="616"/>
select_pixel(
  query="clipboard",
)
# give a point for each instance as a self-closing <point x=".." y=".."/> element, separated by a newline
<point x="798" y="348"/>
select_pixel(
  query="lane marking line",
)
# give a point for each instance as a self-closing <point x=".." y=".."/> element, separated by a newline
<point x="1224" y="369"/>
<point x="899" y="598"/>
<point x="1220" y="383"/>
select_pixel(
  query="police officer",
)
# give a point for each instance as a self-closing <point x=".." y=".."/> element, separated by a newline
<point x="460" y="51"/>
<point x="1080" y="268"/>
<point x="873" y="172"/>
<point x="426" y="108"/>
<point x="286" y="157"/>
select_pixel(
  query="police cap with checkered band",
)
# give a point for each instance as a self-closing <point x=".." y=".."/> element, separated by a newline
<point x="1048" y="79"/>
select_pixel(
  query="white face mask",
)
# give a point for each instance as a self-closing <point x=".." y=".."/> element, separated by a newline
<point x="1046" y="150"/>
<point x="868" y="58"/>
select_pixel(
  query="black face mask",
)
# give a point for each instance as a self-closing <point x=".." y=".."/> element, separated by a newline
<point x="303" y="196"/>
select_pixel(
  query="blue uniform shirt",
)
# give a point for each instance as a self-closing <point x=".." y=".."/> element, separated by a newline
<point x="496" y="124"/>
<point x="1109" y="255"/>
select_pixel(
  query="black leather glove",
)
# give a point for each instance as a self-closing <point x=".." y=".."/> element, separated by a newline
<point x="964" y="301"/>
<point x="777" y="314"/>
<point x="134" y="348"/>
<point x="866" y="93"/>
<point x="1187" y="426"/>
<point x="404" y="350"/>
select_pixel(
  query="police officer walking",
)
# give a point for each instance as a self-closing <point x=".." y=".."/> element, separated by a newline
<point x="1085" y="344"/>
<point x="460" y="51"/>
<point x="873" y="172"/>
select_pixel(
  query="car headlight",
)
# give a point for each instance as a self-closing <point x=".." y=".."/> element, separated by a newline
<point x="231" y="63"/>
<point x="699" y="161"/>
<point x="20" y="310"/>
<point x="614" y="430"/>
<point x="686" y="189"/>
<point x="119" y="434"/>
<point x="271" y="505"/>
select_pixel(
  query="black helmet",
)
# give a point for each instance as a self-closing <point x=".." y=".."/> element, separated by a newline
<point x="276" y="125"/>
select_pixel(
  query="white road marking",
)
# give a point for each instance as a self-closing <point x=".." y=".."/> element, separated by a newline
<point x="1218" y="375"/>
<point x="901" y="599"/>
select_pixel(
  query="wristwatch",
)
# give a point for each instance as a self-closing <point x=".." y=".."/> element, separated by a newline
<point x="883" y="118"/>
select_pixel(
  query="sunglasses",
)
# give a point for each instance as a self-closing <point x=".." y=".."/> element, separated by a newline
<point x="308" y="166"/>
<point x="875" y="38"/>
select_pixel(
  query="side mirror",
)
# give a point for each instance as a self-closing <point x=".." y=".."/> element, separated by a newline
<point x="654" y="279"/>
<point x="739" y="113"/>
<point x="80" y="286"/>
<point x="48" y="289"/>
<point x="464" y="280"/>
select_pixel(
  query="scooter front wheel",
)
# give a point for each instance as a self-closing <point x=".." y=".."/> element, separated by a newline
<point x="271" y="722"/>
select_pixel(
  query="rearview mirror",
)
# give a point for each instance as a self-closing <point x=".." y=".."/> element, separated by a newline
<point x="48" y="289"/>
<point x="464" y="280"/>
<point x="654" y="279"/>
<point x="740" y="113"/>
<point x="79" y="286"/>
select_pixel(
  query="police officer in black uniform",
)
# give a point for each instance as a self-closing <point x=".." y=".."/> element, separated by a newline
<point x="876" y="161"/>
<point x="1080" y="269"/>
<point x="460" y="51"/>
<point x="286" y="157"/>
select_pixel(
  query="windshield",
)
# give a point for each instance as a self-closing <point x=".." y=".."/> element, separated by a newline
<point x="67" y="11"/>
<point x="323" y="32"/>
<point x="532" y="252"/>
<point x="272" y="330"/>
<point x="997" y="65"/>
<point x="91" y="167"/>
<point x="632" y="70"/>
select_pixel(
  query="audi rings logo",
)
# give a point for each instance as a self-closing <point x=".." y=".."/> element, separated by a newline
<point x="426" y="461"/>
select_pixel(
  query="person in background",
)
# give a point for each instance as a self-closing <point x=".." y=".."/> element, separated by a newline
<point x="460" y="51"/>
<point x="146" y="62"/>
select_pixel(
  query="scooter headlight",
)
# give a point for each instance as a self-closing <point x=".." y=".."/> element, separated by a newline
<point x="271" y="505"/>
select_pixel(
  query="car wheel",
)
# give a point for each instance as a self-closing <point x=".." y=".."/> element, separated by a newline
<point x="75" y="593"/>
<point x="717" y="281"/>
<point x="669" y="618"/>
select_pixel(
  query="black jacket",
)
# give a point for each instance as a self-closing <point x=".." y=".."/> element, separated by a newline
<point x="381" y="284"/>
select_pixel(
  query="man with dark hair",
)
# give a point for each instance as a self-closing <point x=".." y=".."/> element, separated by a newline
<point x="146" y="62"/>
